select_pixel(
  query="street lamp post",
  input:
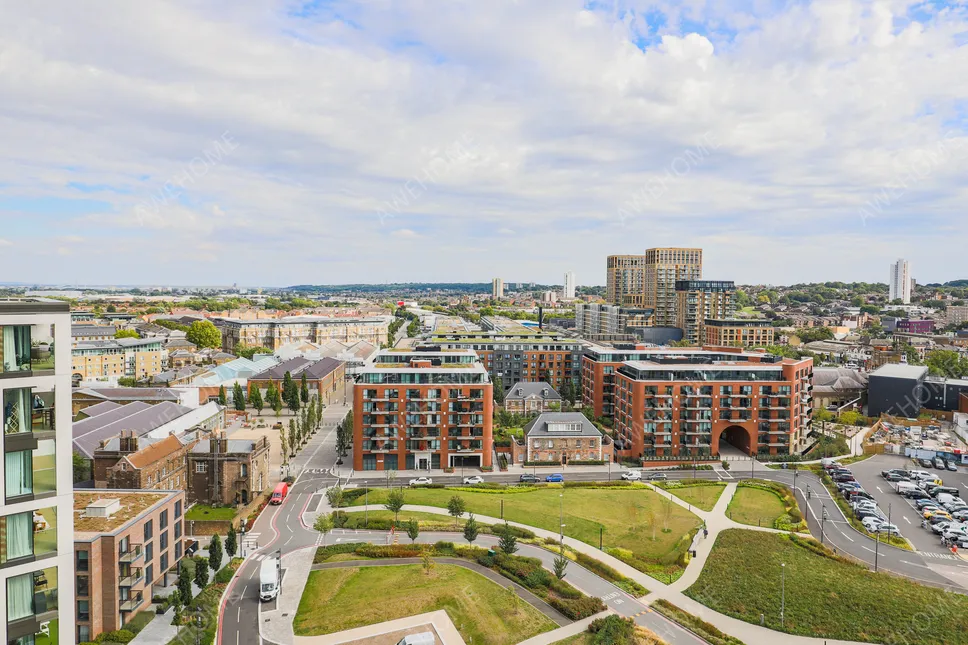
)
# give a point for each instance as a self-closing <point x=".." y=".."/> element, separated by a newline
<point x="782" y="591"/>
<point x="823" y="518"/>
<point x="561" y="515"/>
<point x="601" y="538"/>
<point x="366" y="507"/>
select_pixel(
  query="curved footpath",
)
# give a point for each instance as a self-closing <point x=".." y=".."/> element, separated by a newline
<point x="716" y="521"/>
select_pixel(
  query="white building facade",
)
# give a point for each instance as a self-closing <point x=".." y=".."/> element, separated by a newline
<point x="569" y="292"/>
<point x="899" y="282"/>
<point x="36" y="508"/>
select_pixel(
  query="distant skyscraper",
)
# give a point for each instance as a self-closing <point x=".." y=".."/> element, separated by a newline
<point x="625" y="280"/>
<point x="569" y="285"/>
<point x="663" y="268"/>
<point x="899" y="282"/>
<point x="497" y="288"/>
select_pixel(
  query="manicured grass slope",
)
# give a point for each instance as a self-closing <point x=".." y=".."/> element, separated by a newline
<point x="702" y="496"/>
<point x="825" y="597"/>
<point x="339" y="599"/>
<point x="625" y="514"/>
<point x="755" y="507"/>
<point x="203" y="512"/>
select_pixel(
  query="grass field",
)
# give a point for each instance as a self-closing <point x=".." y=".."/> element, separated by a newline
<point x="755" y="507"/>
<point x="203" y="512"/>
<point x="339" y="599"/>
<point x="826" y="597"/>
<point x="628" y="516"/>
<point x="702" y="496"/>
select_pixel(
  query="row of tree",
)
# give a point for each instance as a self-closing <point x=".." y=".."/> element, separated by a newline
<point x="197" y="570"/>
<point x="293" y="395"/>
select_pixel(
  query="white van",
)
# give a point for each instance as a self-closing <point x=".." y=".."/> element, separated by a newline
<point x="423" y="638"/>
<point x="269" y="579"/>
<point x="905" y="487"/>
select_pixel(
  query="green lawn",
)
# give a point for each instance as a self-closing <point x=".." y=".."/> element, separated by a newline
<point x="205" y="512"/>
<point x="826" y="597"/>
<point x="755" y="507"/>
<point x="140" y="621"/>
<point x="702" y="496"/>
<point x="339" y="599"/>
<point x="628" y="515"/>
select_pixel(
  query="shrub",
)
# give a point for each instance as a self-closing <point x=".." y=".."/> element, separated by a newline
<point x="725" y="465"/>
<point x="613" y="630"/>
<point x="224" y="575"/>
<point x="326" y="552"/>
<point x="616" y="483"/>
<point x="536" y="578"/>
<point x="119" y="636"/>
<point x="444" y="548"/>
<point x="563" y="589"/>
<point x="390" y="550"/>
<point x="578" y="608"/>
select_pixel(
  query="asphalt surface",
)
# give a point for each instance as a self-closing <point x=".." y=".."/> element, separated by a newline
<point x="280" y="528"/>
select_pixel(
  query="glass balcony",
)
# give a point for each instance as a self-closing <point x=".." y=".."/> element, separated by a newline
<point x="28" y="471"/>
<point x="134" y="578"/>
<point x="131" y="603"/>
<point x="133" y="554"/>
<point x="28" y="534"/>
<point x="32" y="596"/>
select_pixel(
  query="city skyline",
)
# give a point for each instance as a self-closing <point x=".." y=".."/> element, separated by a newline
<point x="272" y="144"/>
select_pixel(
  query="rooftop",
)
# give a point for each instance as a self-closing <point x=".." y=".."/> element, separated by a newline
<point x="899" y="370"/>
<point x="138" y="417"/>
<point x="133" y="505"/>
<point x="297" y="367"/>
<point x="522" y="390"/>
<point x="10" y="306"/>
<point x="559" y="424"/>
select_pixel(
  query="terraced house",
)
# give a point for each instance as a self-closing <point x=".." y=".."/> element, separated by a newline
<point x="423" y="409"/>
<point x="36" y="521"/>
<point x="670" y="404"/>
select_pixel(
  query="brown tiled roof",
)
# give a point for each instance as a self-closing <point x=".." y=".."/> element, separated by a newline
<point x="154" y="452"/>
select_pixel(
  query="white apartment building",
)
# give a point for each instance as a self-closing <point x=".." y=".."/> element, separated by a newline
<point x="899" y="282"/>
<point x="497" y="288"/>
<point x="569" y="292"/>
<point x="36" y="508"/>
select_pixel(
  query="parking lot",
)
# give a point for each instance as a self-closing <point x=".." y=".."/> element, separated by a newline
<point x="903" y="512"/>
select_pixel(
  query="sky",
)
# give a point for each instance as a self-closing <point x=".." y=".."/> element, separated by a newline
<point x="271" y="143"/>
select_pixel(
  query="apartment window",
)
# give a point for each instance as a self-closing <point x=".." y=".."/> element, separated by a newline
<point x="163" y="565"/>
<point x="201" y="467"/>
<point x="149" y="529"/>
<point x="163" y="542"/>
<point x="82" y="561"/>
<point x="178" y="530"/>
<point x="83" y="586"/>
<point x="83" y="633"/>
<point x="30" y="472"/>
<point x="149" y="552"/>
<point x="163" y="520"/>
<point x="178" y="549"/>
<point x="83" y="610"/>
<point x="14" y="349"/>
<point x="31" y="594"/>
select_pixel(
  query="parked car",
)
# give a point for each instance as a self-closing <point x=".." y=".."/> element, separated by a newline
<point x="924" y="462"/>
<point x="945" y="490"/>
<point x="922" y="504"/>
<point x="890" y="529"/>
<point x="632" y="475"/>
<point x="931" y="512"/>
<point x="955" y="531"/>
<point x="939" y="463"/>
<point x="528" y="478"/>
<point x="421" y="481"/>
<point x="917" y="494"/>
<point x="474" y="479"/>
<point x="657" y="477"/>
<point x="557" y="477"/>
<point x="843" y="477"/>
<point x="938" y="527"/>
<point x="866" y="512"/>
<point x="961" y="515"/>
<point x="871" y="523"/>
<point x="896" y="477"/>
<point x="851" y="495"/>
<point x="950" y="465"/>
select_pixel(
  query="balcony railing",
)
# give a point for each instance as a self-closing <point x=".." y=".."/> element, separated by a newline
<point x="131" y="604"/>
<point x="136" y="578"/>
<point x="135" y="553"/>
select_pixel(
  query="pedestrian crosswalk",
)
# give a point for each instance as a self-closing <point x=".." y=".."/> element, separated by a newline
<point x="939" y="556"/>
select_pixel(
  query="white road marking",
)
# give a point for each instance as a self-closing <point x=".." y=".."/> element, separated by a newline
<point x="243" y="590"/>
<point x="906" y="520"/>
<point x="238" y="616"/>
<point x="878" y="489"/>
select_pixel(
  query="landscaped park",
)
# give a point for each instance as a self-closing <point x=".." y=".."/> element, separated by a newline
<point x="633" y="522"/>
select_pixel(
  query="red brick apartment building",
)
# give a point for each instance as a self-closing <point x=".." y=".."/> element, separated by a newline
<point x="422" y="409"/>
<point x="124" y="542"/>
<point x="671" y="404"/>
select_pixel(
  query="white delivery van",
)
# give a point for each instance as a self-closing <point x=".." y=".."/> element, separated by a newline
<point x="423" y="638"/>
<point x="904" y="487"/>
<point x="269" y="579"/>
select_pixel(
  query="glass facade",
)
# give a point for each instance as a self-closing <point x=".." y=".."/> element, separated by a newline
<point x="25" y="348"/>
<point x="30" y="472"/>
<point x="30" y="534"/>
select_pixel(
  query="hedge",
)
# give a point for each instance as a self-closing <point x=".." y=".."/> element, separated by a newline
<point x="694" y="624"/>
<point x="542" y="463"/>
<point x="607" y="572"/>
<point x="792" y="519"/>
<point x="118" y="636"/>
<point x="360" y="521"/>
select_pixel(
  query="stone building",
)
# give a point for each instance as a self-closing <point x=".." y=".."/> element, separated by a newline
<point x="226" y="471"/>
<point x="564" y="437"/>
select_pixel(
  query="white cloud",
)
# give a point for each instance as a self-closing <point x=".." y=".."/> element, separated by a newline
<point x="492" y="130"/>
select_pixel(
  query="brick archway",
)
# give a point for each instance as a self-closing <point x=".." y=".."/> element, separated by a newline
<point x="738" y="437"/>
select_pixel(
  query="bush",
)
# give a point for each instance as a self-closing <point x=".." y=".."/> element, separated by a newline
<point x="613" y="630"/>
<point x="587" y="462"/>
<point x="538" y="577"/>
<point x="725" y="465"/>
<point x="542" y="463"/>
<point x="119" y="636"/>
<point x="694" y="624"/>
<point x="617" y="483"/>
<point x="607" y="572"/>
<point x="224" y="575"/>
<point x="390" y="550"/>
<point x="444" y="548"/>
<point x="326" y="552"/>
<point x="578" y="608"/>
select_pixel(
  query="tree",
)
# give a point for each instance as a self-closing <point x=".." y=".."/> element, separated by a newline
<point x="287" y="385"/>
<point x="215" y="553"/>
<point x="823" y="415"/>
<point x="849" y="417"/>
<point x="568" y="392"/>
<point x="508" y="543"/>
<point x="201" y="572"/>
<point x="946" y="362"/>
<point x="255" y="398"/>
<point x="81" y="466"/>
<point x="471" y="530"/>
<point x="277" y="406"/>
<point x="323" y="524"/>
<point x="413" y="530"/>
<point x="186" y="571"/>
<point x="293" y="439"/>
<point x="204" y="334"/>
<point x="390" y="475"/>
<point x="560" y="563"/>
<point x="231" y="542"/>
<point x="112" y="309"/>
<point x="284" y="441"/>
<point x="334" y="496"/>
<point x="304" y="388"/>
<point x="126" y="333"/>
<point x="395" y="502"/>
<point x="238" y="397"/>
<point x="247" y="351"/>
<point x="292" y="401"/>
<point x="499" y="390"/>
<point x="222" y="398"/>
<point x="428" y="562"/>
<point x="456" y="508"/>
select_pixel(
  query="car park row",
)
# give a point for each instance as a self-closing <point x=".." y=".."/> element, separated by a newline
<point x="941" y="508"/>
<point x="862" y="503"/>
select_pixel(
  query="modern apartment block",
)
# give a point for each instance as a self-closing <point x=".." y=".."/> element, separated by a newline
<point x="699" y="300"/>
<point x="670" y="407"/>
<point x="625" y="280"/>
<point x="497" y="288"/>
<point x="528" y="355"/>
<point x="273" y="334"/>
<point x="594" y="320"/>
<point x="131" y="357"/>
<point x="569" y="289"/>
<point x="423" y="409"/>
<point x="739" y="333"/>
<point x="957" y="315"/>
<point x="36" y="510"/>
<point x="124" y="543"/>
<point x="899" y="282"/>
<point x="663" y="269"/>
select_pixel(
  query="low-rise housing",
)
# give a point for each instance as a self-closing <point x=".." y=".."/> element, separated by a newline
<point x="529" y="398"/>
<point x="228" y="471"/>
<point x="128" y="357"/>
<point x="564" y="437"/>
<point x="91" y="333"/>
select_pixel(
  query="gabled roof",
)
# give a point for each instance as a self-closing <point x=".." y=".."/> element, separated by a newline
<point x="296" y="367"/>
<point x="523" y="390"/>
<point x="837" y="379"/>
<point x="138" y="417"/>
<point x="101" y="331"/>
<point x="129" y="393"/>
<point x="582" y="427"/>
<point x="158" y="450"/>
<point x="100" y="408"/>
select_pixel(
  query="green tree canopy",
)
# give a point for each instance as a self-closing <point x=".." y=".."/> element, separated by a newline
<point x="126" y="333"/>
<point x="204" y="334"/>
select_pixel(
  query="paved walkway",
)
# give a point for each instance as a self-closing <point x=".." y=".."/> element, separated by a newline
<point x="159" y="631"/>
<point x="439" y="620"/>
<point x="523" y="593"/>
<point x="716" y="521"/>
